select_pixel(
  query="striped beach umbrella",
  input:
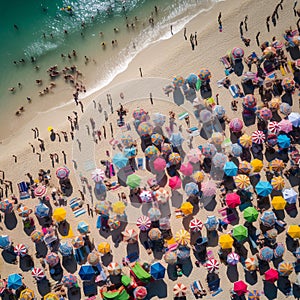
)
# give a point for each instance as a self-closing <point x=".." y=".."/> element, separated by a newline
<point x="182" y="237"/>
<point x="251" y="264"/>
<point x="104" y="248"/>
<point x="62" y="172"/>
<point x="40" y="191"/>
<point x="143" y="223"/>
<point x="212" y="265"/>
<point x="237" y="53"/>
<point x="242" y="181"/>
<point x="130" y="236"/>
<point x="27" y="294"/>
<point x="285" y="268"/>
<point x="277" y="165"/>
<point x="20" y="250"/>
<point x="274" y="127"/>
<point x="179" y="290"/>
<point x="38" y="273"/>
<point x="277" y="183"/>
<point x="51" y="296"/>
<point x="195" y="225"/>
<point x="174" y="158"/>
<point x="146" y="196"/>
<point x="275" y="103"/>
<point x="245" y="141"/>
<point x="114" y="268"/>
<point x="98" y="175"/>
<point x="258" y="137"/>
<point x="233" y="258"/>
<point x="162" y="195"/>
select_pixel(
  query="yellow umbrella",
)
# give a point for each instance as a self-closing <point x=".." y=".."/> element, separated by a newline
<point x="277" y="165"/>
<point x="182" y="237"/>
<point x="257" y="165"/>
<point x="26" y="294"/>
<point x="198" y="176"/>
<point x="51" y="296"/>
<point x="50" y="128"/>
<point x="242" y="181"/>
<point x="217" y="138"/>
<point x="275" y="103"/>
<point x="245" y="167"/>
<point x="294" y="231"/>
<point x="59" y="214"/>
<point x="187" y="208"/>
<point x="277" y="183"/>
<point x="246" y="141"/>
<point x="104" y="247"/>
<point x="119" y="207"/>
<point x="278" y="202"/>
<point x="226" y="241"/>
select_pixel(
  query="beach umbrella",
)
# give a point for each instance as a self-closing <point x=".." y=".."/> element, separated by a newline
<point x="6" y="206"/>
<point x="290" y="195"/>
<point x="104" y="248"/>
<point x="51" y="296"/>
<point x="78" y="242"/>
<point x="295" y="156"/>
<point x="93" y="259"/>
<point x="285" y="126"/>
<point x="83" y="227"/>
<point x="86" y="272"/>
<point x="265" y="114"/>
<point x="204" y="74"/>
<point x="251" y="264"/>
<point x="40" y="191"/>
<point x="52" y="259"/>
<point x="271" y="275"/>
<point x="130" y="152"/>
<point x="236" y="125"/>
<point x="249" y="101"/>
<point x="250" y="214"/>
<point x="219" y="160"/>
<point x="191" y="188"/>
<point x="240" y="288"/>
<point x="226" y="241"/>
<point x="205" y="116"/>
<point x="211" y="223"/>
<point x="195" y="225"/>
<point x="233" y="200"/>
<point x="174" y="158"/>
<point x="162" y="195"/>
<point x="24" y="211"/>
<point x="285" y="268"/>
<point x="194" y="155"/>
<point x="140" y="292"/>
<point x="275" y="103"/>
<point x="245" y="167"/>
<point x="187" y="208"/>
<point x="242" y="181"/>
<point x="198" y="176"/>
<point x="59" y="214"/>
<point x="285" y="108"/>
<point x="277" y="165"/>
<point x="119" y="160"/>
<point x="269" y="51"/>
<point x="146" y="196"/>
<point x="14" y="281"/>
<point x="245" y="141"/>
<point x="236" y="150"/>
<point x="159" y="164"/>
<point x="175" y="183"/>
<point x="102" y="207"/>
<point x="3" y="285"/>
<point x="114" y="268"/>
<point x="157" y="139"/>
<point x="176" y="139"/>
<point x="157" y="271"/>
<point x="212" y="265"/>
<point x="145" y="129"/>
<point x="186" y="169"/>
<point x="230" y="169"/>
<point x="279" y="250"/>
<point x="209" y="150"/>
<point x="154" y="214"/>
<point x="278" y="203"/>
<point x="154" y="234"/>
<point x="294" y="231"/>
<point x="294" y="118"/>
<point x="20" y="250"/>
<point x="178" y="81"/>
<point x="208" y="189"/>
<point x="42" y="210"/>
<point x="297" y="253"/>
<point x="237" y="53"/>
<point x="268" y="218"/>
<point x="274" y="127"/>
<point x="258" y="137"/>
<point x="179" y="290"/>
<point x="217" y="138"/>
<point x="158" y="119"/>
<point x="219" y="111"/>
<point x="192" y="79"/>
<point x="263" y="188"/>
<point x="69" y="280"/>
<point x="65" y="249"/>
<point x="5" y="242"/>
<point x="119" y="207"/>
<point x="133" y="181"/>
<point x="170" y="257"/>
<point x="166" y="148"/>
<point x="182" y="237"/>
<point x="38" y="273"/>
<point x="98" y="175"/>
<point x="272" y="233"/>
<point x="143" y="223"/>
<point x="139" y="114"/>
<point x="288" y="84"/>
<point x="240" y="232"/>
<point x="130" y="236"/>
<point x="36" y="236"/>
<point x="283" y="141"/>
<point x="61" y="173"/>
<point x="277" y="183"/>
<point x="127" y="140"/>
<point x="266" y="254"/>
<point x="233" y="258"/>
<point x="152" y="151"/>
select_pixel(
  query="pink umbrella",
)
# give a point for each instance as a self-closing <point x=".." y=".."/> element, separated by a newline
<point x="196" y="225"/>
<point x="265" y="114"/>
<point x="186" y="169"/>
<point x="208" y="188"/>
<point x="175" y="183"/>
<point x="212" y="265"/>
<point x="274" y="127"/>
<point x="233" y="200"/>
<point x="271" y="275"/>
<point x="140" y="292"/>
<point x="194" y="155"/>
<point x="240" y="287"/>
<point x="258" y="137"/>
<point x="62" y="172"/>
<point x="159" y="164"/>
<point x="143" y="223"/>
<point x="285" y="126"/>
<point x="40" y="191"/>
<point x="236" y="125"/>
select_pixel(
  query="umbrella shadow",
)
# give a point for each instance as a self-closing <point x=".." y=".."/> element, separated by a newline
<point x="133" y="248"/>
<point x="171" y="271"/>
<point x="74" y="293"/>
<point x="186" y="222"/>
<point x="284" y="285"/>
<point x="178" y="96"/>
<point x="213" y="238"/>
<point x="63" y="228"/>
<point x="263" y="266"/>
<point x="205" y="91"/>
<point x="26" y="263"/>
<point x="106" y="259"/>
<point x="176" y="199"/>
<point x="296" y="291"/>
<point x="238" y="67"/>
<point x="248" y="87"/>
<point x="251" y="277"/>
<point x="190" y="95"/>
<point x="41" y="249"/>
<point x="10" y="221"/>
<point x="270" y="290"/>
<point x="187" y="267"/>
<point x="9" y="256"/>
<point x="157" y="288"/>
<point x="43" y="286"/>
<point x="210" y="205"/>
<point x="291" y="244"/>
<point x="116" y="234"/>
<point x="232" y="273"/>
<point x="56" y="272"/>
<point x="277" y="261"/>
<point x="69" y="263"/>
<point x="249" y="120"/>
<point x="287" y="98"/>
<point x="291" y="210"/>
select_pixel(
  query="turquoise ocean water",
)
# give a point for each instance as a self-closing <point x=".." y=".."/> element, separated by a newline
<point x="40" y="34"/>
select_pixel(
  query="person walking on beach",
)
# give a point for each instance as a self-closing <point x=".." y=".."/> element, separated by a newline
<point x="267" y="23"/>
<point x="141" y="74"/>
<point x="81" y="106"/>
<point x="241" y="28"/>
<point x="192" y="41"/>
<point x="33" y="148"/>
<point x="294" y="9"/>
<point x="151" y="99"/>
<point x="184" y="33"/>
<point x="195" y="37"/>
<point x="171" y="27"/>
<point x="257" y="38"/>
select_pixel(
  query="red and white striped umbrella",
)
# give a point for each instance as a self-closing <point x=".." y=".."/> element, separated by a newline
<point x="62" y="172"/>
<point x="196" y="225"/>
<point x="38" y="273"/>
<point x="258" y="137"/>
<point x="20" y="250"/>
<point x="274" y="127"/>
<point x="130" y="236"/>
<point x="114" y="268"/>
<point x="40" y="191"/>
<point x="143" y="223"/>
<point x="146" y="196"/>
<point x="212" y="265"/>
<point x="179" y="289"/>
<point x="233" y="258"/>
<point x="98" y="175"/>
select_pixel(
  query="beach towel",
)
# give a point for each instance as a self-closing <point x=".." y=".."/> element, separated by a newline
<point x="89" y="165"/>
<point x="233" y="91"/>
<point x="224" y="60"/>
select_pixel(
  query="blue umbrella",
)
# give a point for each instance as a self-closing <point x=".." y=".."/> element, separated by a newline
<point x="86" y="272"/>
<point x="4" y="241"/>
<point x="290" y="195"/>
<point x="192" y="79"/>
<point x="83" y="227"/>
<point x="266" y="254"/>
<point x="263" y="188"/>
<point x="211" y="223"/>
<point x="268" y="218"/>
<point x="283" y="141"/>
<point x="219" y="111"/>
<point x="236" y="149"/>
<point x="157" y="271"/>
<point x="42" y="210"/>
<point x="119" y="160"/>
<point x="279" y="250"/>
<point x="130" y="152"/>
<point x="14" y="281"/>
<point x="230" y="168"/>
<point x="65" y="249"/>
<point x="191" y="189"/>
<point x="176" y="139"/>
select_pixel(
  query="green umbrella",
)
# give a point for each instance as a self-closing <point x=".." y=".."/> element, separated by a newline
<point x="240" y="232"/>
<point x="250" y="214"/>
<point x="133" y="181"/>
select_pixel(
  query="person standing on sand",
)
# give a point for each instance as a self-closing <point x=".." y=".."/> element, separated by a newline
<point x="171" y="27"/>
<point x="184" y="33"/>
<point x="151" y="99"/>
<point x="15" y="157"/>
<point x="140" y="69"/>
<point x="294" y="9"/>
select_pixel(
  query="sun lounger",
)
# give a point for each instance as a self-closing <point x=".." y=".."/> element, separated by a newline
<point x="23" y="190"/>
<point x="233" y="91"/>
<point x="225" y="61"/>
<point x="196" y="285"/>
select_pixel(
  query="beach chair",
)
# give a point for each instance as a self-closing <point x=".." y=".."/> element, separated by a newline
<point x="23" y="190"/>
<point x="196" y="285"/>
